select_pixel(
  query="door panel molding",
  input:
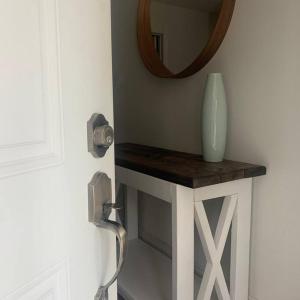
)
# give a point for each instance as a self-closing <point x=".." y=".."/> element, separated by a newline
<point x="45" y="149"/>
<point x="53" y="284"/>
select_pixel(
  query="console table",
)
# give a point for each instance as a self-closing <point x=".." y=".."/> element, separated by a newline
<point x="186" y="181"/>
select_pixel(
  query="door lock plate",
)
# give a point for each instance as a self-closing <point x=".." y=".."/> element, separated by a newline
<point x="100" y="196"/>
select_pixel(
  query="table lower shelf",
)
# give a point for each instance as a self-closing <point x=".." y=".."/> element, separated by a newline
<point x="147" y="274"/>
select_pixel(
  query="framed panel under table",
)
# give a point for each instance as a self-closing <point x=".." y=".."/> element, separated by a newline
<point x="186" y="194"/>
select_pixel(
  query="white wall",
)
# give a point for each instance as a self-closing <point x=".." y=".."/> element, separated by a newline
<point x="260" y="59"/>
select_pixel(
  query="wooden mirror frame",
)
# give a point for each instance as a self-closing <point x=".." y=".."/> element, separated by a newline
<point x="151" y="58"/>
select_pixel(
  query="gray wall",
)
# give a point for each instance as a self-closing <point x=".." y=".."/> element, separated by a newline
<point x="148" y="109"/>
<point x="180" y="26"/>
<point x="260" y="61"/>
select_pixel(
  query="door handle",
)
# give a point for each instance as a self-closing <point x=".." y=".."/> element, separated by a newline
<point x="100" y="208"/>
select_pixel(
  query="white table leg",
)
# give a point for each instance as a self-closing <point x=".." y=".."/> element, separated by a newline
<point x="182" y="243"/>
<point x="240" y="243"/>
<point x="132" y="213"/>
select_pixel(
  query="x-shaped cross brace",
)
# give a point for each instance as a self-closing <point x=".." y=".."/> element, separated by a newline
<point x="214" y="247"/>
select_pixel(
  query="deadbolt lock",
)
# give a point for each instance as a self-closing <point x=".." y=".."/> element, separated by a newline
<point x="100" y="135"/>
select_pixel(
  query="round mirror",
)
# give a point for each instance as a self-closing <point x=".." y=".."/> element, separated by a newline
<point x="178" y="37"/>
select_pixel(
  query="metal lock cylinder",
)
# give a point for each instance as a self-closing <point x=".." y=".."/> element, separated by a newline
<point x="103" y="136"/>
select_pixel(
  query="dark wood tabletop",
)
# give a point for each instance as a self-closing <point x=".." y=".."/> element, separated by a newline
<point x="182" y="168"/>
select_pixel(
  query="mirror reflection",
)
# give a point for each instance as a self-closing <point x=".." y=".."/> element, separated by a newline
<point x="181" y="29"/>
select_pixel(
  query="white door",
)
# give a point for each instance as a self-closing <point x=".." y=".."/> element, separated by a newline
<point x="55" y="71"/>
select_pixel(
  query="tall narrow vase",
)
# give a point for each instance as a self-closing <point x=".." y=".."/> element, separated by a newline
<point x="214" y="119"/>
